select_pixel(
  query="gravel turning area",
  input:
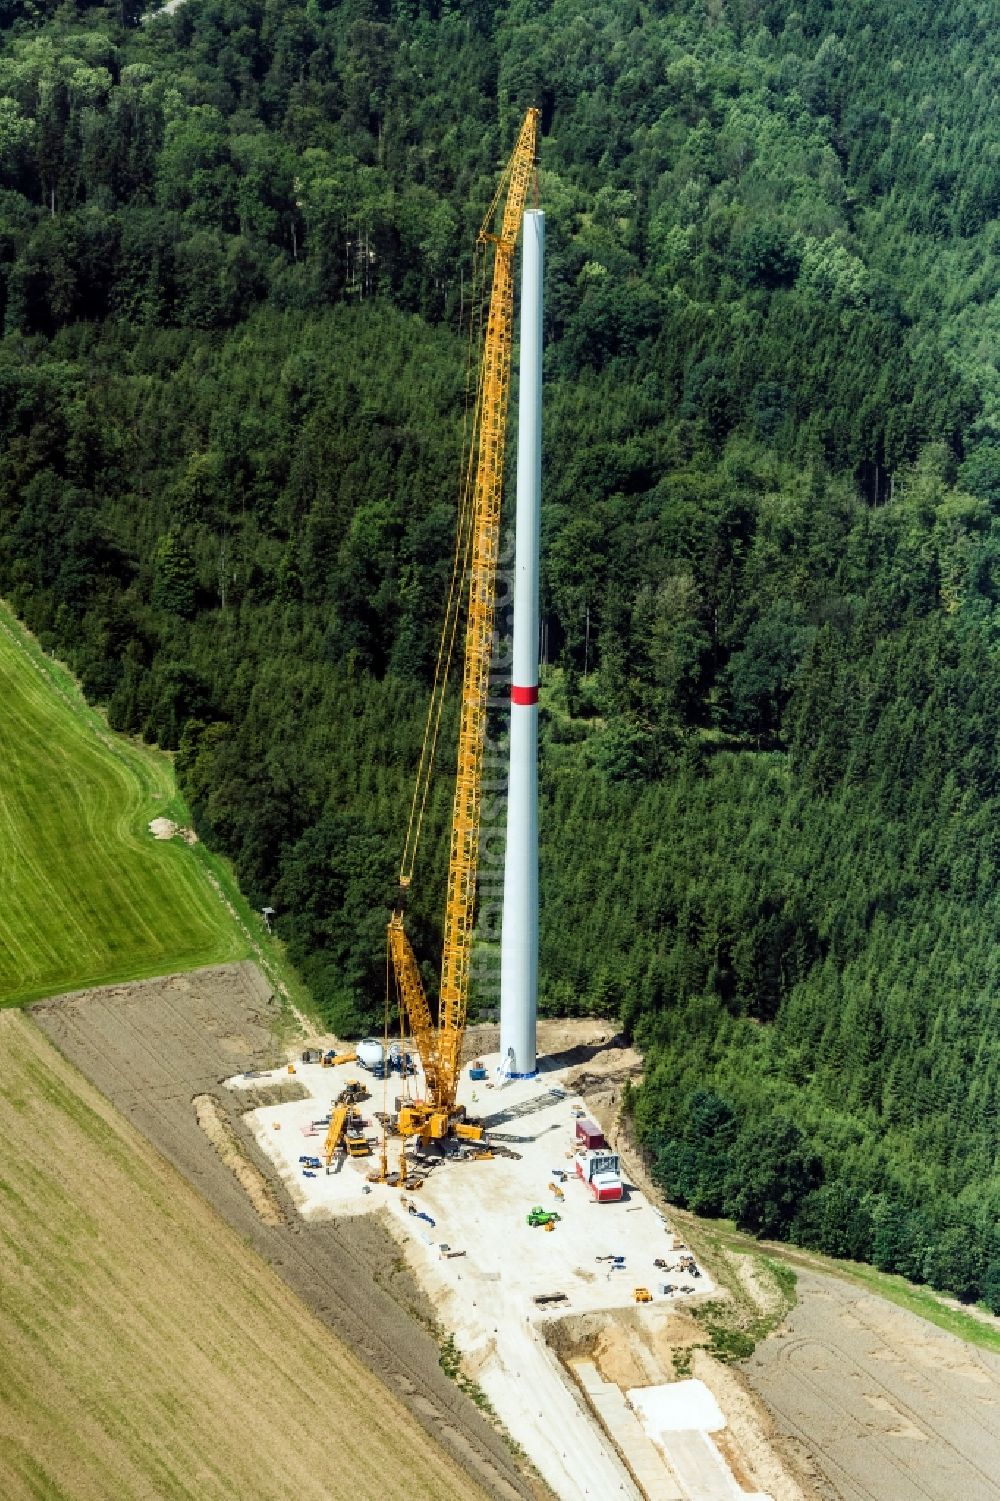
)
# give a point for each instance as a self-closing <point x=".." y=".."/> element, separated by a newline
<point x="150" y="1048"/>
<point x="888" y="1407"/>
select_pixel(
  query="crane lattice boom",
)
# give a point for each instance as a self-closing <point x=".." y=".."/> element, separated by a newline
<point x="440" y="1048"/>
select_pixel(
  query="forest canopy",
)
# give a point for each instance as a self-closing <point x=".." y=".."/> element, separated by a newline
<point x="234" y="263"/>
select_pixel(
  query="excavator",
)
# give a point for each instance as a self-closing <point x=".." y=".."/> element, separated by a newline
<point x="437" y="1116"/>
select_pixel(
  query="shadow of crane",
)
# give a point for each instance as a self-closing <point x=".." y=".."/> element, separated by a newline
<point x="528" y="1107"/>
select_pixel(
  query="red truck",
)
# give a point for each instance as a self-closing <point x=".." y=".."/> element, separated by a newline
<point x="589" y="1135"/>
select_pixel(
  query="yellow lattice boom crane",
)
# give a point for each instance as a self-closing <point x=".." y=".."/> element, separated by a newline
<point x="476" y="552"/>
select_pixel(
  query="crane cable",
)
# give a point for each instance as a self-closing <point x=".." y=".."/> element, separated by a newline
<point x="463" y="531"/>
<point x="460" y="565"/>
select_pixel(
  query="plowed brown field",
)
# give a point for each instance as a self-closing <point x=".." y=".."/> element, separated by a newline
<point x="145" y="1350"/>
<point x="890" y="1408"/>
<point x="151" y="1048"/>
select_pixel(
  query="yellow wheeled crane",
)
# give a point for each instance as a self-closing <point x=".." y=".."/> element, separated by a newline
<point x="346" y="1130"/>
<point x="477" y="547"/>
<point x="335" y="1134"/>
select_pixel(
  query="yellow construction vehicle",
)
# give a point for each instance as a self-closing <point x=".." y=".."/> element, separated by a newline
<point x="334" y="1135"/>
<point x="331" y="1059"/>
<point x="437" y="1115"/>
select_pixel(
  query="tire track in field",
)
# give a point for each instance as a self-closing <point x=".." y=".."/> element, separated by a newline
<point x="891" y="1408"/>
<point x="872" y="1439"/>
<point x="922" y="1420"/>
<point x="150" y="1048"/>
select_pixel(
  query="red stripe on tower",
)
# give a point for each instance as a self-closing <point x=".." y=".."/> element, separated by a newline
<point x="523" y="695"/>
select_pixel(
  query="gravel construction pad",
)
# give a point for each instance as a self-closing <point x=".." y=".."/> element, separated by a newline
<point x="888" y="1407"/>
<point x="150" y="1048"/>
<point x="485" y="1290"/>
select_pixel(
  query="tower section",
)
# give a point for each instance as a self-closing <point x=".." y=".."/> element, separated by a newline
<point x="519" y="940"/>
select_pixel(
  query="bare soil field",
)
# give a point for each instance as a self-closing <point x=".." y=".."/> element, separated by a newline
<point x="891" y="1408"/>
<point x="153" y="1046"/>
<point x="145" y="1351"/>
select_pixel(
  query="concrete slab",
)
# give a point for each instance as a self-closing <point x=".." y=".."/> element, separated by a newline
<point x="482" y="1207"/>
<point x="648" y="1464"/>
<point x="677" y="1406"/>
<point x="702" y="1470"/>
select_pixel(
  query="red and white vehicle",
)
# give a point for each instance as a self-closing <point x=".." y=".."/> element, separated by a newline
<point x="601" y="1171"/>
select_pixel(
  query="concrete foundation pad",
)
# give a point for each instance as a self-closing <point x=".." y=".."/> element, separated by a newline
<point x="677" y="1406"/>
<point x="647" y="1463"/>
<point x="678" y="1418"/>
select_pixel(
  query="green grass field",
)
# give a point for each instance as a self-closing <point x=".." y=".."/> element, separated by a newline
<point x="87" y="896"/>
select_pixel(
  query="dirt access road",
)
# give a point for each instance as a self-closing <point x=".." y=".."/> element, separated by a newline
<point x="891" y="1408"/>
<point x="152" y="1047"/>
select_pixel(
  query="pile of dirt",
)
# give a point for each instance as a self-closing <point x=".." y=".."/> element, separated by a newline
<point x="215" y="1124"/>
<point x="165" y="828"/>
<point x="599" y="1057"/>
<point x="480" y="1039"/>
<point x="629" y="1346"/>
<point x="623" y="1356"/>
<point x="256" y="1096"/>
<point x="575" y="1336"/>
<point x="589" y="1044"/>
<point x="763" y="1293"/>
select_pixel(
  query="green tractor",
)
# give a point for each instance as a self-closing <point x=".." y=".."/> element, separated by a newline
<point x="547" y="1218"/>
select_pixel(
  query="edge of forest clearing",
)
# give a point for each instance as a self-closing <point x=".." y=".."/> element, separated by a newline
<point x="153" y="767"/>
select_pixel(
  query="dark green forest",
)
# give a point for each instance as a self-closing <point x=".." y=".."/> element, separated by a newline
<point x="235" y="254"/>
